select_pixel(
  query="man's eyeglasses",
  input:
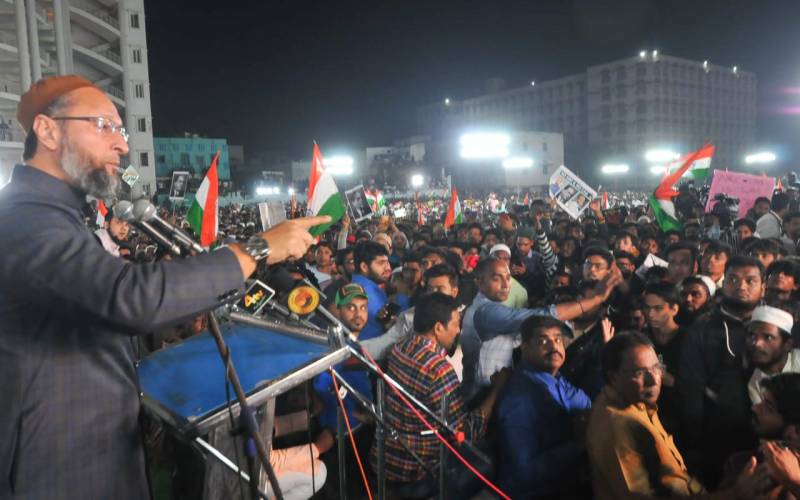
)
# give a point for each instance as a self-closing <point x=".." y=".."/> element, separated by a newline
<point x="639" y="374"/>
<point x="104" y="125"/>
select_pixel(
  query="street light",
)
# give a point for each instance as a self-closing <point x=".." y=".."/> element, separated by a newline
<point x="614" y="168"/>
<point x="660" y="155"/>
<point x="484" y="145"/>
<point x="417" y="180"/>
<point x="518" y="162"/>
<point x="760" y="158"/>
<point x="338" y="165"/>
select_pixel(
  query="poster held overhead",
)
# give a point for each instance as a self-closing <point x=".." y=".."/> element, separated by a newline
<point x="570" y="192"/>
<point x="359" y="206"/>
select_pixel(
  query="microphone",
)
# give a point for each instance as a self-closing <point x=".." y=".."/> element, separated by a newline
<point x="145" y="211"/>
<point x="123" y="210"/>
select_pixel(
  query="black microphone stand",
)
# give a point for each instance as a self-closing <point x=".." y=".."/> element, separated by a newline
<point x="248" y="425"/>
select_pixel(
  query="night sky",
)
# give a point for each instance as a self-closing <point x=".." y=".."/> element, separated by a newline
<point x="274" y="75"/>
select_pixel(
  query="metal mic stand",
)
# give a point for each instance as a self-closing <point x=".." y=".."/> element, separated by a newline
<point x="247" y="421"/>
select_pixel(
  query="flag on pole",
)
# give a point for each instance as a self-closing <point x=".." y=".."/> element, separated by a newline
<point x="454" y="215"/>
<point x="661" y="199"/>
<point x="102" y="211"/>
<point x="527" y="200"/>
<point x="420" y="218"/>
<point x="701" y="166"/>
<point x="324" y="197"/>
<point x="604" y="204"/>
<point x="779" y="185"/>
<point x="203" y="215"/>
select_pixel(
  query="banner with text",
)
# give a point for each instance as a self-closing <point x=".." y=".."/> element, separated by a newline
<point x="745" y="187"/>
<point x="570" y="192"/>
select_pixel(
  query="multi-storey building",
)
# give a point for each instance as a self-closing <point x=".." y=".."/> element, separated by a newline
<point x="102" y="40"/>
<point x="615" y="112"/>
<point x="192" y="154"/>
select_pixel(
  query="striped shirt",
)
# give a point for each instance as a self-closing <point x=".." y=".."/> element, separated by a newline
<point x="420" y="365"/>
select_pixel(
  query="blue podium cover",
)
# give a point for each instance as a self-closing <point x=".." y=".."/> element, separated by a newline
<point x="188" y="379"/>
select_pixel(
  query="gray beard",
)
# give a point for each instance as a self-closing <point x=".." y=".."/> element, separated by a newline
<point x="95" y="181"/>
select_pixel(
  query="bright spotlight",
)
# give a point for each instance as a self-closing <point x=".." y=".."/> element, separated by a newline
<point x="660" y="155"/>
<point x="735" y="69"/>
<point x="291" y="191"/>
<point x="417" y="180"/>
<point x="484" y="145"/>
<point x="338" y="165"/>
<point x="614" y="168"/>
<point x="518" y="162"/>
<point x="267" y="190"/>
<point x="658" y="169"/>
<point x="655" y="54"/>
<point x="760" y="158"/>
<point x="533" y="83"/>
<point x="642" y="54"/>
<point x="447" y="101"/>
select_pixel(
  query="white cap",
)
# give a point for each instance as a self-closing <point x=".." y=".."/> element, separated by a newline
<point x="499" y="248"/>
<point x="643" y="220"/>
<point x="712" y="287"/>
<point x="774" y="316"/>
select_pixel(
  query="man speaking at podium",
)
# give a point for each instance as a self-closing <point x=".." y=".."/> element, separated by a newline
<point x="69" y="310"/>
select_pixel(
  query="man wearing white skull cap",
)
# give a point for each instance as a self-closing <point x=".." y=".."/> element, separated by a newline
<point x="769" y="347"/>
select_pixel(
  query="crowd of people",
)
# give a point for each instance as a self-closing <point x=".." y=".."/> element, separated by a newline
<point x="596" y="357"/>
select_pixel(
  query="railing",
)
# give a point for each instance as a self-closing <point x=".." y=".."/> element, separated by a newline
<point x="96" y="12"/>
<point x="114" y="91"/>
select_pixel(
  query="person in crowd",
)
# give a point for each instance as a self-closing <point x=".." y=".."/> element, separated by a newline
<point x="766" y="251"/>
<point x="323" y="267"/>
<point x="431" y="256"/>
<point x="661" y="305"/>
<point x="769" y="348"/>
<point x="590" y="331"/>
<point x="352" y="310"/>
<point x="79" y="328"/>
<point x="791" y="232"/>
<point x="420" y="363"/>
<point x="597" y="263"/>
<point x="440" y="278"/>
<point x="630" y="453"/>
<point x="715" y="409"/>
<point x="713" y="260"/>
<point x="697" y="294"/>
<point x="113" y="234"/>
<point x="777" y="420"/>
<point x="518" y="295"/>
<point x="372" y="271"/>
<point x="681" y="261"/>
<point x="537" y="414"/>
<point x="345" y="267"/>
<point x="783" y="278"/>
<point x="770" y="224"/>
<point x="475" y="233"/>
<point x="409" y="285"/>
<point x="487" y="319"/>
<point x="744" y="228"/>
<point x="759" y="209"/>
<point x="526" y="263"/>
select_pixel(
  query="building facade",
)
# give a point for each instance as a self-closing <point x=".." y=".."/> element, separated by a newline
<point x="102" y="40"/>
<point x="616" y="112"/>
<point x="192" y="154"/>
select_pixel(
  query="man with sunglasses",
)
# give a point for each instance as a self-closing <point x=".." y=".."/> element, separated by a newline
<point x="70" y="311"/>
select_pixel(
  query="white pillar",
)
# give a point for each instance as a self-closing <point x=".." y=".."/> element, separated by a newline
<point x="22" y="45"/>
<point x="33" y="38"/>
<point x="61" y="48"/>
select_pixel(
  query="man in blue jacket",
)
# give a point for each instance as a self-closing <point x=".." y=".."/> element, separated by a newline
<point x="539" y="453"/>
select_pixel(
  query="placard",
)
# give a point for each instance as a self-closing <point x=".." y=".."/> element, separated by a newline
<point x="177" y="189"/>
<point x="570" y="192"/>
<point x="746" y="187"/>
<point x="357" y="204"/>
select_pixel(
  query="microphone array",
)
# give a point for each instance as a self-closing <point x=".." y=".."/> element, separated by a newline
<point x="143" y="215"/>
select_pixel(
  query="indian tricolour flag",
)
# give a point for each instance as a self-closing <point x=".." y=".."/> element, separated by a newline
<point x="323" y="195"/>
<point x="700" y="167"/>
<point x="454" y="215"/>
<point x="375" y="199"/>
<point x="661" y="199"/>
<point x="203" y="215"/>
<point x="102" y="211"/>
